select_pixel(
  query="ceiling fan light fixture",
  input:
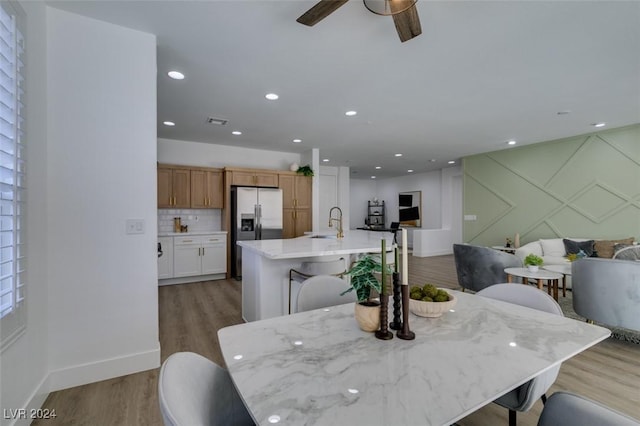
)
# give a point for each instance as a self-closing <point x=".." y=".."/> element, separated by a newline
<point x="388" y="7"/>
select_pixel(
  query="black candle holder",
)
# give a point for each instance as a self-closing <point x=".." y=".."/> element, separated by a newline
<point x="396" y="324"/>
<point x="405" y="333"/>
<point x="384" y="333"/>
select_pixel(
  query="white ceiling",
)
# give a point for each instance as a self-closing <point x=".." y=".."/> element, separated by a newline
<point x="481" y="73"/>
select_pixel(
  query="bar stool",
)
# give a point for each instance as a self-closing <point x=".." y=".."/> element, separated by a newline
<point x="310" y="269"/>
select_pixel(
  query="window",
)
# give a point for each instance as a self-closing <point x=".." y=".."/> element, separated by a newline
<point x="12" y="175"/>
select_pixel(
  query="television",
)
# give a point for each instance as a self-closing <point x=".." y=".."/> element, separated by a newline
<point x="405" y="200"/>
<point x="411" y="213"/>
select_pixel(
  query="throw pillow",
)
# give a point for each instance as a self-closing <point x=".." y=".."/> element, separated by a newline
<point x="552" y="247"/>
<point x="574" y="247"/>
<point x="605" y="247"/>
<point x="632" y="251"/>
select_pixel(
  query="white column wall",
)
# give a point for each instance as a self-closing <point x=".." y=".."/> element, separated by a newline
<point x="102" y="283"/>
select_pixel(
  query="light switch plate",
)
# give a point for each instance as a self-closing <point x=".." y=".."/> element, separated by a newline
<point x="470" y="217"/>
<point x="135" y="226"/>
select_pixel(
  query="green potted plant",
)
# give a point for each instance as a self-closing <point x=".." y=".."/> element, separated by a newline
<point x="305" y="170"/>
<point x="533" y="262"/>
<point x="367" y="286"/>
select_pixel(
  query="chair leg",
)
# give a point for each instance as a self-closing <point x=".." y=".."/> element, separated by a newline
<point x="290" y="278"/>
<point x="512" y="418"/>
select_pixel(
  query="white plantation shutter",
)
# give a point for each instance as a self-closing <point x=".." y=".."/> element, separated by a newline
<point x="12" y="175"/>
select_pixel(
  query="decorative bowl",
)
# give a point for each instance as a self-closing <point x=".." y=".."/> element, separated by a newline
<point x="431" y="309"/>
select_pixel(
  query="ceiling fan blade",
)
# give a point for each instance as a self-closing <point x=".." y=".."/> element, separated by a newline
<point x="320" y="11"/>
<point x="407" y="22"/>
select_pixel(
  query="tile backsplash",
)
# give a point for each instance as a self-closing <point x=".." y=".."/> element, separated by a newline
<point x="198" y="220"/>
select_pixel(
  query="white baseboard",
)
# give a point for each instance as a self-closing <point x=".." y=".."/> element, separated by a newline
<point x="194" y="279"/>
<point x="105" y="369"/>
<point x="33" y="402"/>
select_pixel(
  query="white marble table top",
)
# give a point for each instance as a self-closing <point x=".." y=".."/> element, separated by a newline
<point x="540" y="274"/>
<point x="562" y="269"/>
<point x="307" y="246"/>
<point x="319" y="368"/>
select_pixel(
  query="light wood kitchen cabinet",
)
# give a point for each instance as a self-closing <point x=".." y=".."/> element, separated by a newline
<point x="207" y="189"/>
<point x="248" y="177"/>
<point x="174" y="187"/>
<point x="295" y="222"/>
<point x="296" y="200"/>
<point x="296" y="191"/>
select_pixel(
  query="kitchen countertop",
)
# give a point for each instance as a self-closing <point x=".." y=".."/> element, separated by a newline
<point x="354" y="241"/>
<point x="191" y="234"/>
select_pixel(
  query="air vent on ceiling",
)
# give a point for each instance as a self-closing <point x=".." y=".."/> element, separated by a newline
<point x="218" y="121"/>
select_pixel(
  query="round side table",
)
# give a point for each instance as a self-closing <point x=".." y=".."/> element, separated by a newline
<point x="550" y="277"/>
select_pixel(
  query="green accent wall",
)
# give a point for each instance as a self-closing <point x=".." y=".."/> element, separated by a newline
<point x="583" y="186"/>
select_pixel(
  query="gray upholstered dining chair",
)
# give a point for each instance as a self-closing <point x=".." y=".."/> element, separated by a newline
<point x="567" y="409"/>
<point x="524" y="396"/>
<point x="322" y="291"/>
<point x="194" y="391"/>
<point x="479" y="267"/>
<point x="607" y="291"/>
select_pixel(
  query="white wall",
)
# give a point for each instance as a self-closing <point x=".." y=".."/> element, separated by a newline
<point x="211" y="155"/>
<point x="23" y="365"/>
<point x="441" y="207"/>
<point x="430" y="185"/>
<point x="103" y="294"/>
<point x="362" y="190"/>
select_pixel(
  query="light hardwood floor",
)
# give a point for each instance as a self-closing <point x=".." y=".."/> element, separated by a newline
<point x="191" y="314"/>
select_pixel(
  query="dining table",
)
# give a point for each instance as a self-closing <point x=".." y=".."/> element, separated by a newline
<point x="319" y="368"/>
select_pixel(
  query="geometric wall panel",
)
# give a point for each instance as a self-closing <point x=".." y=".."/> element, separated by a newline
<point x="584" y="186"/>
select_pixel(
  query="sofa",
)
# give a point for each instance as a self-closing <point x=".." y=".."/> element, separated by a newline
<point x="554" y="251"/>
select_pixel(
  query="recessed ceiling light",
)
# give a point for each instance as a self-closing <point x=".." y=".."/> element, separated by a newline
<point x="410" y="171"/>
<point x="271" y="96"/>
<point x="451" y="162"/>
<point x="511" y="142"/>
<point x="236" y="132"/>
<point x="351" y="113"/>
<point x="297" y="140"/>
<point x="169" y="123"/>
<point x="176" y="75"/>
<point x="326" y="160"/>
<point x="599" y="124"/>
<point x="398" y="155"/>
<point x="373" y="177"/>
<point x="433" y="160"/>
<point x="378" y="167"/>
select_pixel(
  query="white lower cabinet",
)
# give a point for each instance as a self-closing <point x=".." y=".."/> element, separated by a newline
<point x="214" y="255"/>
<point x="199" y="255"/>
<point x="165" y="261"/>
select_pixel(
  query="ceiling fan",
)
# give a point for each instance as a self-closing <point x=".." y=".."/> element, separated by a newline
<point x="404" y="12"/>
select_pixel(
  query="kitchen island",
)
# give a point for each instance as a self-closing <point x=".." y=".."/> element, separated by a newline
<point x="266" y="265"/>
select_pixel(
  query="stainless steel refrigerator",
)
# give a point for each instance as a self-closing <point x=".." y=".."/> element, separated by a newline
<point x="256" y="214"/>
